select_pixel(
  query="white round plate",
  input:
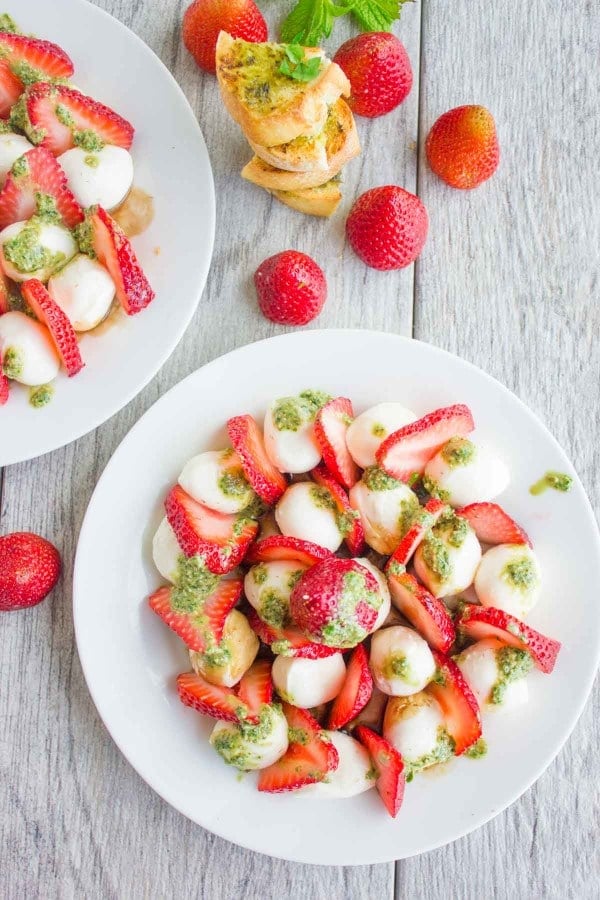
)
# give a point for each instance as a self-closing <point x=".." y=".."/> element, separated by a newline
<point x="130" y="658"/>
<point x="171" y="164"/>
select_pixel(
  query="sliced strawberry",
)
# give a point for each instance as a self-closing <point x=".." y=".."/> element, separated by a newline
<point x="256" y="687"/>
<point x="356" y="690"/>
<point x="331" y="425"/>
<point x="222" y="540"/>
<point x="217" y="606"/>
<point x="389" y="765"/>
<point x="4" y="386"/>
<point x="114" y="250"/>
<point x="349" y="521"/>
<point x="409" y="449"/>
<point x="61" y="117"/>
<point x="428" y="614"/>
<point x="458" y="703"/>
<point x="184" y="625"/>
<point x="287" y="641"/>
<point x="31" y="58"/>
<point x="481" y="622"/>
<point x="247" y="441"/>
<point x="280" y="547"/>
<point x="35" y="173"/>
<point x="210" y="699"/>
<point x="57" y="323"/>
<point x="422" y="521"/>
<point x="10" y="89"/>
<point x="492" y="525"/>
<point x="308" y="759"/>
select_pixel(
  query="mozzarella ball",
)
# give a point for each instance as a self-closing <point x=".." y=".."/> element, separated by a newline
<point x="308" y="682"/>
<point x="306" y="511"/>
<point x="447" y="559"/>
<point x="463" y="472"/>
<point x="353" y="775"/>
<point x="509" y="578"/>
<point x="26" y="349"/>
<point x="369" y="430"/>
<point x="289" y="432"/>
<point x="496" y="674"/>
<point x="217" y="480"/>
<point x="226" y="663"/>
<point x="384" y="590"/>
<point x="268" y="587"/>
<point x="84" y="291"/>
<point x="415" y="726"/>
<point x="386" y="507"/>
<point x="12" y="146"/>
<point x="35" y="249"/>
<point x="401" y="661"/>
<point x="166" y="551"/>
<point x="100" y="176"/>
<point x="249" y="747"/>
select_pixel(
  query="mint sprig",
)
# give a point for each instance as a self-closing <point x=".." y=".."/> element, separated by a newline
<point x="295" y="66"/>
<point x="310" y="21"/>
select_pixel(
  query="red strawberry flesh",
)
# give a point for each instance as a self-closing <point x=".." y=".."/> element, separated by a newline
<point x="356" y="690"/>
<point x="458" y="704"/>
<point x="34" y="56"/>
<point x="389" y="765"/>
<point x="59" y="326"/>
<point x="308" y="759"/>
<point x="287" y="641"/>
<point x="114" y="250"/>
<point x="210" y="699"/>
<point x="279" y="547"/>
<point x="33" y="174"/>
<point x="480" y="622"/>
<point x="349" y="520"/>
<point x="493" y="525"/>
<point x="331" y="425"/>
<point x="247" y="441"/>
<point x="10" y="89"/>
<point x="256" y="687"/>
<point x="409" y="449"/>
<point x="428" y="614"/>
<point x="421" y="523"/>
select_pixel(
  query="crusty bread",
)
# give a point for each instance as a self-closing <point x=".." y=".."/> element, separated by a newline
<point x="272" y="108"/>
<point x="316" y="201"/>
<point x="318" y="153"/>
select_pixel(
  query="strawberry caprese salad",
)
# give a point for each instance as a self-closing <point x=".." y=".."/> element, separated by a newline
<point x="352" y="597"/>
<point x="65" y="169"/>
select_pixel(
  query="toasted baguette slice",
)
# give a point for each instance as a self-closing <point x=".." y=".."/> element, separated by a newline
<point x="318" y="153"/>
<point x="316" y="201"/>
<point x="270" y="107"/>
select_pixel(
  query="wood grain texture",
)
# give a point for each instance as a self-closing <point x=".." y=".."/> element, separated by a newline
<point x="509" y="279"/>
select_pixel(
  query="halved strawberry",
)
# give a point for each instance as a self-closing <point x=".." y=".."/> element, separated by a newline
<point x="308" y="759"/>
<point x="481" y="622"/>
<point x="256" y="687"/>
<point x="217" y="606"/>
<point x="247" y="441"/>
<point x="222" y="540"/>
<point x="32" y="59"/>
<point x="58" y="324"/>
<point x="10" y="89"/>
<point x="389" y="765"/>
<point x="280" y="547"/>
<point x="428" y="614"/>
<point x="409" y="449"/>
<point x="356" y="690"/>
<point x="211" y="699"/>
<point x="492" y="525"/>
<point x="60" y="117"/>
<point x="184" y="625"/>
<point x="458" y="703"/>
<point x="35" y="173"/>
<point x="422" y="521"/>
<point x="114" y="250"/>
<point x="331" y="425"/>
<point x="287" y="641"/>
<point x="349" y="521"/>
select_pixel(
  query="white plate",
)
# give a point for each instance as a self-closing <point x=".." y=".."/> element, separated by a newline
<point x="172" y="164"/>
<point x="130" y="659"/>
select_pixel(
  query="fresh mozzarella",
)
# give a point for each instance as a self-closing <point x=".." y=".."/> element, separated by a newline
<point x="290" y="435"/>
<point x="166" y="551"/>
<point x="12" y="146"/>
<point x="26" y="349"/>
<point x="490" y="671"/>
<point x="401" y="661"/>
<point x="509" y="578"/>
<point x="250" y="747"/>
<point x="413" y="725"/>
<point x="447" y="559"/>
<point x="51" y="244"/>
<point x="463" y="472"/>
<point x="268" y="587"/>
<point x="386" y="604"/>
<point x="216" y="479"/>
<point x="354" y="772"/>
<point x="306" y="512"/>
<point x="385" y="513"/>
<point x="102" y="176"/>
<point x="308" y="682"/>
<point x="370" y="429"/>
<point x="84" y="291"/>
<point x="235" y="654"/>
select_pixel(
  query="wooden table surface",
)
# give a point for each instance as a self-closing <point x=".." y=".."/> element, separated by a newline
<point x="509" y="280"/>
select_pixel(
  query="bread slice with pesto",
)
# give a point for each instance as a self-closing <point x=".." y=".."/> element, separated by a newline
<point x="316" y="201"/>
<point x="277" y="92"/>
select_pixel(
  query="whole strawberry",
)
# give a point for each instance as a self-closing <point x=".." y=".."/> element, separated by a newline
<point x="379" y="71"/>
<point x="29" y="569"/>
<point x="204" y="19"/>
<point x="291" y="288"/>
<point x="462" y="147"/>
<point x="387" y="227"/>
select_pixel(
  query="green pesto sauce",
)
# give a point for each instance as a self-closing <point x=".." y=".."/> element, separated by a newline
<point x="442" y="752"/>
<point x="344" y="630"/>
<point x="377" y="430"/>
<point x="346" y="521"/>
<point x="19" y="120"/>
<point x="520" y="574"/>
<point x="240" y="525"/>
<point x="282" y="647"/>
<point x="458" y="451"/>
<point x="45" y="208"/>
<point x="84" y="236"/>
<point x="217" y="657"/>
<point x="256" y="76"/>
<point x="395" y="568"/>
<point x="25" y="72"/>
<point x="230" y="742"/>
<point x="322" y="498"/>
<point x="378" y="480"/>
<point x="558" y="481"/>
<point x="454" y="528"/>
<point x="397" y="666"/>
<point x="92" y="161"/>
<point x="274" y="608"/>
<point x="436" y="556"/>
<point x="26" y="253"/>
<point x="193" y="583"/>
<point x="41" y="396"/>
<point x="409" y="508"/>
<point x="433" y="488"/>
<point x="20" y="167"/>
<point x="255" y="509"/>
<point x="259" y="573"/>
<point x="294" y="578"/>
<point x="513" y="664"/>
<point x="8" y="24"/>
<point x="233" y="483"/>
<point x="478" y="750"/>
<point x="298" y="736"/>
<point x="12" y="362"/>
<point x="88" y="140"/>
<point x="291" y="413"/>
